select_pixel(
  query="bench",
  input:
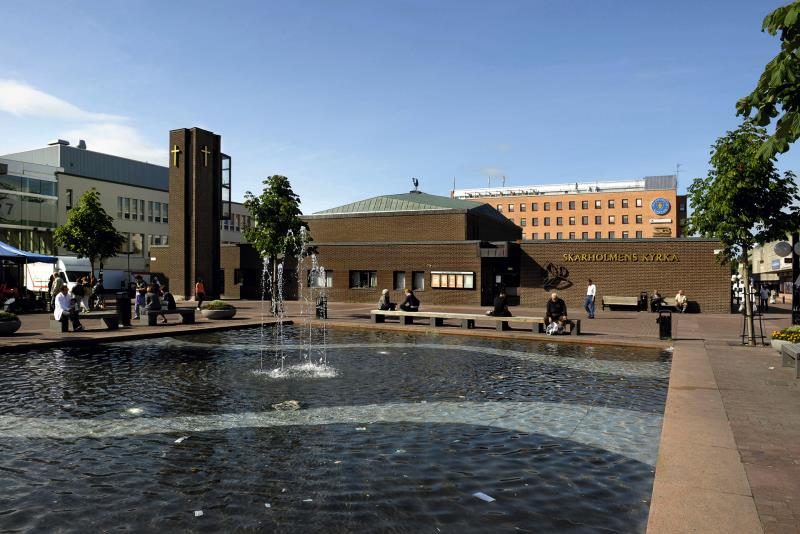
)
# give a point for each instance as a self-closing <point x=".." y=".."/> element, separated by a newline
<point x="789" y="353"/>
<point x="187" y="315"/>
<point x="609" y="301"/>
<point x="467" y="320"/>
<point x="110" y="319"/>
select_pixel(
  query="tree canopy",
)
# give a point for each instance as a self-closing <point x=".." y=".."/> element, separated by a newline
<point x="778" y="89"/>
<point x="275" y="213"/>
<point x="89" y="231"/>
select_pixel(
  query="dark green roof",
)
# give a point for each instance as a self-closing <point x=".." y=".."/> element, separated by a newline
<point x="403" y="202"/>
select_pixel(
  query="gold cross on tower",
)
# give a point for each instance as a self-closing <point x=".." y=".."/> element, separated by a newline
<point x="206" y="152"/>
<point x="175" y="151"/>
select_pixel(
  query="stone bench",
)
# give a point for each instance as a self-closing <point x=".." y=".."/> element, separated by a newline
<point x="187" y="315"/>
<point x="110" y="319"/>
<point x="610" y="300"/>
<point x="467" y="320"/>
<point x="789" y="353"/>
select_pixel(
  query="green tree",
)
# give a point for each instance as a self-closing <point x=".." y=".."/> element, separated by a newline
<point x="277" y="230"/>
<point x="778" y="89"/>
<point x="744" y="201"/>
<point x="89" y="231"/>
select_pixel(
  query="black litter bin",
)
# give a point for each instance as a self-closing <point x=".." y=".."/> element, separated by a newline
<point x="322" y="308"/>
<point x="124" y="308"/>
<point x="664" y="321"/>
<point x="643" y="301"/>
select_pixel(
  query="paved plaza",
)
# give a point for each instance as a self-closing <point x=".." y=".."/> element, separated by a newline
<point x="727" y="460"/>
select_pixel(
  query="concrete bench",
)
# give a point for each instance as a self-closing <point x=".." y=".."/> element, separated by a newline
<point x="467" y="320"/>
<point x="789" y="353"/>
<point x="610" y="300"/>
<point x="108" y="317"/>
<point x="187" y="315"/>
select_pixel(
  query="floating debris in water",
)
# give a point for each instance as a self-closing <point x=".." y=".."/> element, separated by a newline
<point x="134" y="411"/>
<point x="267" y="505"/>
<point x="181" y="439"/>
<point x="198" y="513"/>
<point x="287" y="406"/>
<point x="400" y="451"/>
<point x="482" y="496"/>
<point x="308" y="500"/>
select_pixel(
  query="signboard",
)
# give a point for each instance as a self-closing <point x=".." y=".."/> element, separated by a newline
<point x="646" y="257"/>
<point x="660" y="206"/>
<point x="661" y="221"/>
<point x="776" y="264"/>
<point x="662" y="231"/>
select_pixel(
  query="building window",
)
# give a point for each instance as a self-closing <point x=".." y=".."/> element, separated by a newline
<point x="399" y="280"/>
<point x="535" y="221"/>
<point x="547" y="235"/>
<point x="559" y="221"/>
<point x="157" y="216"/>
<point x="572" y="204"/>
<point x="418" y="280"/>
<point x="584" y="235"/>
<point x="363" y="279"/>
<point x="69" y="199"/>
<point x="546" y="206"/>
<point x="165" y="213"/>
<point x="598" y="219"/>
<point x="624" y="235"/>
<point x="547" y="221"/>
<point x="572" y="221"/>
<point x="572" y="235"/>
<point x="638" y="202"/>
<point x="126" y="208"/>
<point x="585" y="204"/>
<point x="611" y="203"/>
<point x="585" y="219"/>
<point x="559" y="205"/>
<point x="452" y="280"/>
<point x="598" y="204"/>
<point x="119" y="207"/>
<point x="534" y="236"/>
<point x="510" y="207"/>
<point x="682" y="206"/>
<point x="611" y="219"/>
<point x="149" y="211"/>
<point x="638" y="234"/>
<point x="559" y="235"/>
<point x="523" y="206"/>
<point x="624" y="219"/>
<point x="133" y="243"/>
<point x="534" y="206"/>
<point x="624" y="202"/>
<point x="523" y="222"/>
<point x="611" y="234"/>
<point x="639" y="219"/>
<point x="500" y="208"/>
<point x="598" y="235"/>
<point x="323" y="279"/>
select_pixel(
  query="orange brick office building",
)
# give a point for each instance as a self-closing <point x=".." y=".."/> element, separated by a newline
<point x="645" y="208"/>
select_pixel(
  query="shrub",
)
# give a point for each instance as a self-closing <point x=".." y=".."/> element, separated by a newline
<point x="5" y="316"/>
<point x="791" y="334"/>
<point x="217" y="305"/>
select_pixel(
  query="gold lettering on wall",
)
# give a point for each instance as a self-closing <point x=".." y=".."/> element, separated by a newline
<point x="647" y="257"/>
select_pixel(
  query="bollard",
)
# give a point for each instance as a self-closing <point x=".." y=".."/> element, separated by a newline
<point x="664" y="321"/>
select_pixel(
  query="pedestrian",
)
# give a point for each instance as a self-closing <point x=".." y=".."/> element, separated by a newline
<point x="681" y="301"/>
<point x="156" y="284"/>
<point x="411" y="303"/>
<point x="97" y="301"/>
<point x="656" y="301"/>
<point x="500" y="306"/>
<point x="764" y="297"/>
<point x="66" y="309"/>
<point x="79" y="292"/>
<point x="555" y="315"/>
<point x="141" y="290"/>
<point x="199" y="292"/>
<point x="167" y="301"/>
<point x="591" y="292"/>
<point x="385" y="303"/>
<point x="58" y="282"/>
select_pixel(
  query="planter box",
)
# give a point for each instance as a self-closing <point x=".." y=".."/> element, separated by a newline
<point x="777" y="344"/>
<point x="9" y="327"/>
<point x="218" y="314"/>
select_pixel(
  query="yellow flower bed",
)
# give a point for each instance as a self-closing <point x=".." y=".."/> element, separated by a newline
<point x="791" y="334"/>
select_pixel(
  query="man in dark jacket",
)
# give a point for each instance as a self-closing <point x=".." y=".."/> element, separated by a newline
<point x="556" y="309"/>
<point x="500" y="306"/>
<point x="411" y="303"/>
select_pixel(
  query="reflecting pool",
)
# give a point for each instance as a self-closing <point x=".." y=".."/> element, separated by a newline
<point x="396" y="432"/>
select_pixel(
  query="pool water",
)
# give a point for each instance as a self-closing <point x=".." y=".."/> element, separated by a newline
<point x="397" y="433"/>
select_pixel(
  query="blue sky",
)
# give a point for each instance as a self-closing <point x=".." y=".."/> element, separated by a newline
<point x="351" y="99"/>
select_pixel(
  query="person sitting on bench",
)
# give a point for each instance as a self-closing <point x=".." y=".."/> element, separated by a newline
<point x="152" y="302"/>
<point x="556" y="311"/>
<point x="681" y="302"/>
<point x="168" y="300"/>
<point x="384" y="303"/>
<point x="656" y="301"/>
<point x="411" y="304"/>
<point x="500" y="306"/>
<point x="66" y="309"/>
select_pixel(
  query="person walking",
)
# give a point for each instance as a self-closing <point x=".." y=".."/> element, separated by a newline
<point x="764" y="294"/>
<point x="199" y="292"/>
<point x="79" y="292"/>
<point x="141" y="290"/>
<point x="591" y="292"/>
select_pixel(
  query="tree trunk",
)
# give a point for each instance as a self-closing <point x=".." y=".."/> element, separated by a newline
<point x="748" y="301"/>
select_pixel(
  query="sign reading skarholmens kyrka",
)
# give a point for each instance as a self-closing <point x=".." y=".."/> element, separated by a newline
<point x="646" y="257"/>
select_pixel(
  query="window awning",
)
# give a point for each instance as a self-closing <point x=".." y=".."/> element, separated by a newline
<point x="7" y="252"/>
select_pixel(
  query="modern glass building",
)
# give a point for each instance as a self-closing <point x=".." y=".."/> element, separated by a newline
<point x="28" y="205"/>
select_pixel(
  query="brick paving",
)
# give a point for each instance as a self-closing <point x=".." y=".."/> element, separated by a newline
<point x="730" y="449"/>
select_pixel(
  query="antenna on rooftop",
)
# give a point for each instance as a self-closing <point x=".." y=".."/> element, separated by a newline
<point x="677" y="171"/>
<point x="416" y="185"/>
<point x="504" y="181"/>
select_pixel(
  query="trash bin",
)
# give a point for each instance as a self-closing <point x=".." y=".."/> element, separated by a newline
<point x="124" y="308"/>
<point x="643" y="301"/>
<point x="322" y="308"/>
<point x="664" y="321"/>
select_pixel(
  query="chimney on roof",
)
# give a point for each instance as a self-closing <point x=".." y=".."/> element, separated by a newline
<point x="82" y="144"/>
<point x="58" y="142"/>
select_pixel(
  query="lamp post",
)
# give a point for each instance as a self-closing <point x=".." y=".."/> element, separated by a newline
<point x="795" y="278"/>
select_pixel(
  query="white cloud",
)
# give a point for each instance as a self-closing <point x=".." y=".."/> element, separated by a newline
<point x="118" y="140"/>
<point x="21" y="99"/>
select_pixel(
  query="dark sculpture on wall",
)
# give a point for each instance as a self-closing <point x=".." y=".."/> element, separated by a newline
<point x="556" y="277"/>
